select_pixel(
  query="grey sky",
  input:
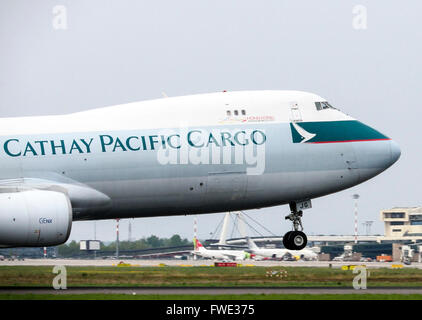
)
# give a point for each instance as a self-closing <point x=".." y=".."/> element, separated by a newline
<point x="122" y="51"/>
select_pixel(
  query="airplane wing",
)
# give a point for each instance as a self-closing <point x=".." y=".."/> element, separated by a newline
<point x="230" y="257"/>
<point x="235" y="256"/>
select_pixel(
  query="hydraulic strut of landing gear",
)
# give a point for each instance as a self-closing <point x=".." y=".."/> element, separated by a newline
<point x="295" y="240"/>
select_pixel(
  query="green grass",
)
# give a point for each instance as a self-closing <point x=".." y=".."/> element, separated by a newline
<point x="28" y="276"/>
<point x="212" y="297"/>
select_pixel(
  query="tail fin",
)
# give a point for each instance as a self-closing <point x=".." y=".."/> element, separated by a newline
<point x="251" y="244"/>
<point x="197" y="245"/>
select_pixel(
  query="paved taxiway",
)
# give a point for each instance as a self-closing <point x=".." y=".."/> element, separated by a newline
<point x="211" y="291"/>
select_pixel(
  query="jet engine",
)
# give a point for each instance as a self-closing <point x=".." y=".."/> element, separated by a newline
<point x="34" y="218"/>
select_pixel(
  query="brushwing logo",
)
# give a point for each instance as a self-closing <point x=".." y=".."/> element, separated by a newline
<point x="333" y="132"/>
<point x="304" y="135"/>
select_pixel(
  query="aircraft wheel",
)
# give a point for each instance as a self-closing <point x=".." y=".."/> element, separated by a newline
<point x="286" y="242"/>
<point x="297" y="240"/>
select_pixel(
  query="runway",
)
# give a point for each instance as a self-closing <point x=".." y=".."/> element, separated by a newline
<point x="193" y="263"/>
<point x="211" y="291"/>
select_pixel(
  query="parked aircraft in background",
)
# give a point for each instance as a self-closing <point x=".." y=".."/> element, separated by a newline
<point x="278" y="253"/>
<point x="201" y="251"/>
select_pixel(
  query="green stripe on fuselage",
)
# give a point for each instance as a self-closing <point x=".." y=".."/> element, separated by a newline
<point x="336" y="131"/>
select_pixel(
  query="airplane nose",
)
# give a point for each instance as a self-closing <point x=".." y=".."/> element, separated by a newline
<point x="395" y="151"/>
<point x="374" y="157"/>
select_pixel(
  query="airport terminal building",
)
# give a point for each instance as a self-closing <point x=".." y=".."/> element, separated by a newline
<point x="402" y="223"/>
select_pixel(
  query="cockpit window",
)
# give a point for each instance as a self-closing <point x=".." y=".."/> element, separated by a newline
<point x="323" y="105"/>
<point x="318" y="106"/>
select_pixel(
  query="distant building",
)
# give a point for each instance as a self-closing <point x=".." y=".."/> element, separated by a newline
<point x="402" y="223"/>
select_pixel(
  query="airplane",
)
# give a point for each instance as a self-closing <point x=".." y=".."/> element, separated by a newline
<point x="197" y="154"/>
<point x="278" y="253"/>
<point x="200" y="250"/>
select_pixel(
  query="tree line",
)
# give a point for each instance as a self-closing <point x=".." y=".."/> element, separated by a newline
<point x="73" y="248"/>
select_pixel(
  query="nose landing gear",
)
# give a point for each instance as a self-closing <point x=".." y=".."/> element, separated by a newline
<point x="295" y="240"/>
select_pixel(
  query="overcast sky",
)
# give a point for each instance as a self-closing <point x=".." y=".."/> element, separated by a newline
<point x="64" y="56"/>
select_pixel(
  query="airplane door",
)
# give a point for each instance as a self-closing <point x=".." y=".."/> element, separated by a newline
<point x="226" y="187"/>
<point x="295" y="115"/>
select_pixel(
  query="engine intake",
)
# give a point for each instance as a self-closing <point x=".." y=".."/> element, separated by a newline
<point x="34" y="218"/>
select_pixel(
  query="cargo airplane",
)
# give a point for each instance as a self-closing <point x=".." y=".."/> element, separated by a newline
<point x="203" y="153"/>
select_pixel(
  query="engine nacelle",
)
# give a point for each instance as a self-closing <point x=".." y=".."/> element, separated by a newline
<point x="34" y="218"/>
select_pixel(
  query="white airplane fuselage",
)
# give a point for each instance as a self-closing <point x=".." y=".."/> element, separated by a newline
<point x="190" y="155"/>
<point x="221" y="254"/>
<point x="218" y="254"/>
<point x="306" y="254"/>
<point x="278" y="253"/>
